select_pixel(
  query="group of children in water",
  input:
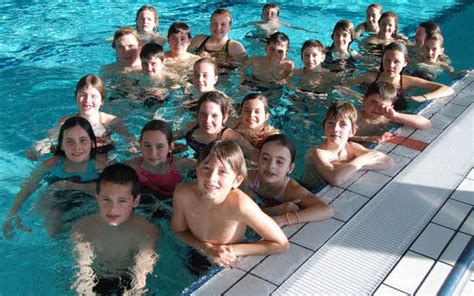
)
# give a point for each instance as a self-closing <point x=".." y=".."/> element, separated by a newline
<point x="236" y="167"/>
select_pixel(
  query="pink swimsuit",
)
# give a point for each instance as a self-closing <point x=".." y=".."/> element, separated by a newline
<point x="165" y="183"/>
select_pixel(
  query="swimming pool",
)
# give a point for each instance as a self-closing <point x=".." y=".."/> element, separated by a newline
<point x="42" y="58"/>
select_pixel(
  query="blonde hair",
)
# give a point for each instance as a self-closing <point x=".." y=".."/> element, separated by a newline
<point x="226" y="151"/>
<point x="224" y="12"/>
<point x="126" y="31"/>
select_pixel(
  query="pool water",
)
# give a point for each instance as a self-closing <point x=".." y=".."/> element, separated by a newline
<point x="47" y="47"/>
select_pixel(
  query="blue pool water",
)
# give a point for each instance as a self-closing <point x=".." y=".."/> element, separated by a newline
<point x="46" y="47"/>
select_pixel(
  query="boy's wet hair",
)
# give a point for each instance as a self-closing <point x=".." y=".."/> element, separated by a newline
<point x="178" y="27"/>
<point x="70" y="123"/>
<point x="430" y="27"/>
<point x="126" y="31"/>
<point x="342" y="111"/>
<point x="226" y="151"/>
<point x="283" y="141"/>
<point x="278" y="38"/>
<point x="150" y="50"/>
<point x="313" y="43"/>
<point x="223" y="11"/>
<point x="147" y="7"/>
<point x="256" y="96"/>
<point x="211" y="61"/>
<point x="271" y="6"/>
<point x="436" y="37"/>
<point x="94" y="81"/>
<point x="385" y="90"/>
<point x="393" y="15"/>
<point x="346" y="26"/>
<point x="376" y="6"/>
<point x="158" y="125"/>
<point x="119" y="173"/>
<point x="218" y="98"/>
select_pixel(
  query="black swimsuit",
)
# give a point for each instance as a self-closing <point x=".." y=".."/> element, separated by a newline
<point x="198" y="146"/>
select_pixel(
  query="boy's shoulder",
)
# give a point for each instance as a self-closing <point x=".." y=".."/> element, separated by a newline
<point x="142" y="227"/>
<point x="84" y="226"/>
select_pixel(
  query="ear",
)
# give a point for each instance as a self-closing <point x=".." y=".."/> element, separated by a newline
<point x="238" y="180"/>
<point x="353" y="130"/>
<point x="136" y="201"/>
<point x="224" y="119"/>
<point x="292" y="168"/>
<point x="172" y="147"/>
<point x="267" y="116"/>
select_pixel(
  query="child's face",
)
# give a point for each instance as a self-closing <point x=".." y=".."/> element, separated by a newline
<point x="420" y="36"/>
<point x="393" y="62"/>
<point x="210" y="118"/>
<point x="341" y="39"/>
<point x="88" y="100"/>
<point x="116" y="202"/>
<point x="152" y="66"/>
<point x="146" y="21"/>
<point x="253" y="114"/>
<point x="274" y="162"/>
<point x="312" y="57"/>
<point x="204" y="77"/>
<point x="338" y="131"/>
<point x="432" y="50"/>
<point x="179" y="42"/>
<point x="220" y="26"/>
<point x="388" y="26"/>
<point x="127" y="49"/>
<point x="155" y="147"/>
<point x="375" y="104"/>
<point x="270" y="15"/>
<point x="77" y="144"/>
<point x="277" y="51"/>
<point x="216" y="179"/>
<point x="372" y="15"/>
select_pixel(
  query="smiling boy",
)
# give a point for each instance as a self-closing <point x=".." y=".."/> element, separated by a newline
<point x="115" y="246"/>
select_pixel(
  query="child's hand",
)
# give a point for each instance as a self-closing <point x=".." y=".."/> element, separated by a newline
<point x="289" y="206"/>
<point x="385" y="138"/>
<point x="8" y="231"/>
<point x="388" y="112"/>
<point x="222" y="255"/>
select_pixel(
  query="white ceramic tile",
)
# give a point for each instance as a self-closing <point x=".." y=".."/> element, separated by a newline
<point x="455" y="248"/>
<point x="251" y="285"/>
<point x="289" y="230"/>
<point x="279" y="267"/>
<point x="470" y="175"/>
<point x="463" y="99"/>
<point x="468" y="226"/>
<point x="314" y="235"/>
<point x="249" y="262"/>
<point x="427" y="135"/>
<point x="452" y="214"/>
<point x="347" y="204"/>
<point x="435" y="279"/>
<point x="400" y="163"/>
<point x="405" y="131"/>
<point x="405" y="151"/>
<point x="409" y="272"/>
<point x="432" y="240"/>
<point x="385" y="290"/>
<point x="330" y="193"/>
<point x="441" y="121"/>
<point x="465" y="192"/>
<point x="219" y="283"/>
<point x="453" y="110"/>
<point x="385" y="147"/>
<point x="369" y="184"/>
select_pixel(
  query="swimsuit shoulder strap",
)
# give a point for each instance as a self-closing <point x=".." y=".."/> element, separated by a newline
<point x="280" y="195"/>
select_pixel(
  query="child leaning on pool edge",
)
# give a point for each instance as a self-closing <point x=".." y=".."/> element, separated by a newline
<point x="120" y="242"/>
<point x="337" y="160"/>
<point x="212" y="214"/>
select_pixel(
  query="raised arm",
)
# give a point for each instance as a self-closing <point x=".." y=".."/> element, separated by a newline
<point x="412" y="120"/>
<point x="437" y="89"/>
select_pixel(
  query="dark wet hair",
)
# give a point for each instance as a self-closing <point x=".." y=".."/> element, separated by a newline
<point x="376" y="6"/>
<point x="390" y="14"/>
<point x="430" y="27"/>
<point x="152" y="49"/>
<point x="396" y="46"/>
<point x="346" y="26"/>
<point x="211" y="61"/>
<point x="256" y="96"/>
<point x="283" y="141"/>
<point x="313" y="43"/>
<point x="277" y="38"/>
<point x="385" y="90"/>
<point x="342" y="110"/>
<point x="226" y="151"/>
<point x="70" y="123"/>
<point x="178" y="27"/>
<point x="94" y="81"/>
<point x="119" y="173"/>
<point x="270" y="6"/>
<point x="436" y="37"/>
<point x="147" y="7"/>
<point x="158" y="125"/>
<point x="220" y="99"/>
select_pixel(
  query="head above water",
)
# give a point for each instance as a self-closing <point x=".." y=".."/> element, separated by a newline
<point x="119" y="173"/>
<point x="270" y="11"/>
<point x="346" y="26"/>
<point x="278" y="38"/>
<point x="158" y="125"/>
<point x="94" y="81"/>
<point x="341" y="111"/>
<point x="395" y="46"/>
<point x="179" y="27"/>
<point x="150" y="50"/>
<point x="256" y="96"/>
<point x="147" y="8"/>
<point x="218" y="98"/>
<point x="311" y="43"/>
<point x="224" y="12"/>
<point x="70" y="123"/>
<point x="227" y="152"/>
<point x="283" y="141"/>
<point x="126" y="31"/>
<point x="387" y="15"/>
<point x="383" y="90"/>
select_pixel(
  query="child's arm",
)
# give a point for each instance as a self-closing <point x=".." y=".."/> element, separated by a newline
<point x="273" y="239"/>
<point x="437" y="89"/>
<point x="237" y="51"/>
<point x="84" y="257"/>
<point x="411" y="120"/>
<point x="145" y="258"/>
<point x="372" y="139"/>
<point x="311" y="207"/>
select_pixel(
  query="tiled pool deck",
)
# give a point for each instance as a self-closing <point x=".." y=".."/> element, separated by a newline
<point x="394" y="232"/>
